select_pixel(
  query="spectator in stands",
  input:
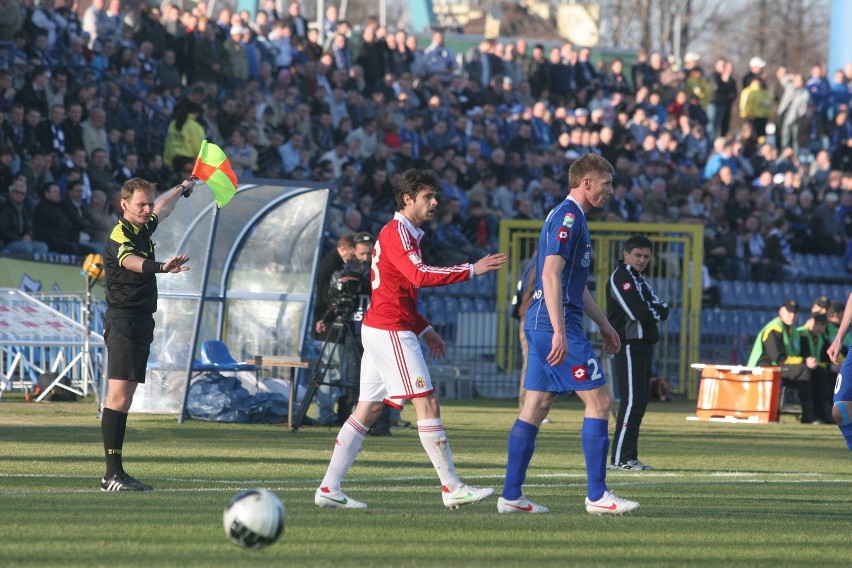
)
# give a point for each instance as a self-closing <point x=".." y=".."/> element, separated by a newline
<point x="76" y="210"/>
<point x="100" y="173"/>
<point x="184" y="136"/>
<point x="54" y="227"/>
<point x="241" y="154"/>
<point x="791" y="110"/>
<point x="71" y="126"/>
<point x="656" y="203"/>
<point x="777" y="345"/>
<point x="51" y="135"/>
<point x="94" y="131"/>
<point x="31" y="121"/>
<point x="7" y="93"/>
<point x="210" y="57"/>
<point x="438" y="58"/>
<point x="12" y="18"/>
<point x="756" y="105"/>
<point x="13" y="128"/>
<point x="37" y="173"/>
<point x="102" y="218"/>
<point x="34" y="95"/>
<point x="779" y="254"/>
<point x="16" y="223"/>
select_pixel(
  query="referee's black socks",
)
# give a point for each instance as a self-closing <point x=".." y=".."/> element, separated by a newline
<point x="113" y="425"/>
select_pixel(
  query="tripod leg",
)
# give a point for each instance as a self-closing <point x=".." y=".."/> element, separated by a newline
<point x="318" y="372"/>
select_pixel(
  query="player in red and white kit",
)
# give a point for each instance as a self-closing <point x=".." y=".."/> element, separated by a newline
<point x="393" y="369"/>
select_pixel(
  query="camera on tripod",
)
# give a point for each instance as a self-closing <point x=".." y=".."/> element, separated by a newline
<point x="347" y="288"/>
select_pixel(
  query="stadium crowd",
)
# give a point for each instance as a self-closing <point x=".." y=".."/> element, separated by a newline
<point x="91" y="98"/>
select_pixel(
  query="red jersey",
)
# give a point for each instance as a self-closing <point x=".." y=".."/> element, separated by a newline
<point x="397" y="272"/>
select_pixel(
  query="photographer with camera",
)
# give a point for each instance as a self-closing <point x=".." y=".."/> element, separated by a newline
<point x="343" y="294"/>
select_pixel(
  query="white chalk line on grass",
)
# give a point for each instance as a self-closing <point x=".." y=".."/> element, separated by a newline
<point x="309" y="485"/>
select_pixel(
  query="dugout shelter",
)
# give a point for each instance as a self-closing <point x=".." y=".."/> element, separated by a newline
<point x="250" y="282"/>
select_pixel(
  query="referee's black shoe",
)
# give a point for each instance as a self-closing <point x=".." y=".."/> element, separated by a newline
<point x="123" y="482"/>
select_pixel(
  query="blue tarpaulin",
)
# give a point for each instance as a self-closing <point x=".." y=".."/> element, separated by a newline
<point x="220" y="398"/>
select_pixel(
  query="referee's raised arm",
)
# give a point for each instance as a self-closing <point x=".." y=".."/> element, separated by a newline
<point x="166" y="204"/>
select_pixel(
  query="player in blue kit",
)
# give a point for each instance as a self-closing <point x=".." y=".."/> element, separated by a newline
<point x="842" y="410"/>
<point x="561" y="357"/>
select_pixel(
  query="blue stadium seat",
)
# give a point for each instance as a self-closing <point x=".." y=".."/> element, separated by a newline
<point x="827" y="266"/>
<point x="436" y="314"/>
<point x="727" y="293"/>
<point x="481" y="305"/>
<point x="763" y="295"/>
<point x="486" y="285"/>
<point x="466" y="305"/>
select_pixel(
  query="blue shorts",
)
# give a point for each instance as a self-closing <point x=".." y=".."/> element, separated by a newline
<point x="843" y="386"/>
<point x="581" y="370"/>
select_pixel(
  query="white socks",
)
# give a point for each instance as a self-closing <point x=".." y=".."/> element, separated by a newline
<point x="346" y="448"/>
<point x="437" y="446"/>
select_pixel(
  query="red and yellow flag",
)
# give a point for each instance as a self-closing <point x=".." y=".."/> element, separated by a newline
<point x="212" y="167"/>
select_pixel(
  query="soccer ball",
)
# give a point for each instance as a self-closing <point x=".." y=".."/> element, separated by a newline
<point x="254" y="518"/>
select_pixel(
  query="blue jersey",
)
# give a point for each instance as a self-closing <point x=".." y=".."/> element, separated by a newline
<point x="565" y="233"/>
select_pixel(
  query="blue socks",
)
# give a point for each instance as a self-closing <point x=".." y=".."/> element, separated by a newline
<point x="595" y="440"/>
<point x="846" y="430"/>
<point x="521" y="448"/>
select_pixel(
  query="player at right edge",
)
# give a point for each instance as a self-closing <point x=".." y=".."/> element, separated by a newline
<point x="843" y="388"/>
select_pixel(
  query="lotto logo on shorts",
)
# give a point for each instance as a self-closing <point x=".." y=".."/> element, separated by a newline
<point x="420" y="383"/>
<point x="563" y="235"/>
<point x="579" y="373"/>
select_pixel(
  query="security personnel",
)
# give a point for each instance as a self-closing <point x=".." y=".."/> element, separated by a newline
<point x="131" y="293"/>
<point x="814" y="341"/>
<point x="778" y="345"/>
<point x="634" y="311"/>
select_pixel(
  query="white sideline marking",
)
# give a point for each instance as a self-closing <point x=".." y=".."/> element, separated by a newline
<point x="309" y="485"/>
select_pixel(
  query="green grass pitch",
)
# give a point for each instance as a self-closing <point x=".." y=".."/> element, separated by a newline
<point x="721" y="494"/>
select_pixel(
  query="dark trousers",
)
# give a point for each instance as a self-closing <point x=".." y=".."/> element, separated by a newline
<point x="823" y="389"/>
<point x="799" y="377"/>
<point x="632" y="368"/>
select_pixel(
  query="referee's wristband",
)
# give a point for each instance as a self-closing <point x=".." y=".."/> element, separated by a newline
<point x="152" y="267"/>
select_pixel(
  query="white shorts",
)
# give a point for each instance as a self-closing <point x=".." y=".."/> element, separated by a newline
<point x="392" y="368"/>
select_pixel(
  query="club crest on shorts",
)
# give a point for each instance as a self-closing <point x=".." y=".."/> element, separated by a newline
<point x="580" y="373"/>
<point x="420" y="383"/>
<point x="563" y="235"/>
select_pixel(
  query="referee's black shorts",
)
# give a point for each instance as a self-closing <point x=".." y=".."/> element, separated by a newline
<point x="128" y="336"/>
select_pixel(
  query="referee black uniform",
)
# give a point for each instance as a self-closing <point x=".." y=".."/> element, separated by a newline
<point x="131" y="283"/>
<point x="131" y="301"/>
<point x="633" y="310"/>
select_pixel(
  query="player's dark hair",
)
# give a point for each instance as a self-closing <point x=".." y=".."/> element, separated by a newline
<point x="414" y="181"/>
<point x="637" y="242"/>
<point x="586" y="165"/>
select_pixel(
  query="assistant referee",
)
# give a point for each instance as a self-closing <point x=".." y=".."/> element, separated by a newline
<point x="131" y="284"/>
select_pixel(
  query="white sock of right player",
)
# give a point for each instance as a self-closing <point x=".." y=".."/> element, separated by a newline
<point x="437" y="446"/>
<point x="346" y="448"/>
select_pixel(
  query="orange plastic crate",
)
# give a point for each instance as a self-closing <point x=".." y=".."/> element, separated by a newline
<point x="742" y="393"/>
